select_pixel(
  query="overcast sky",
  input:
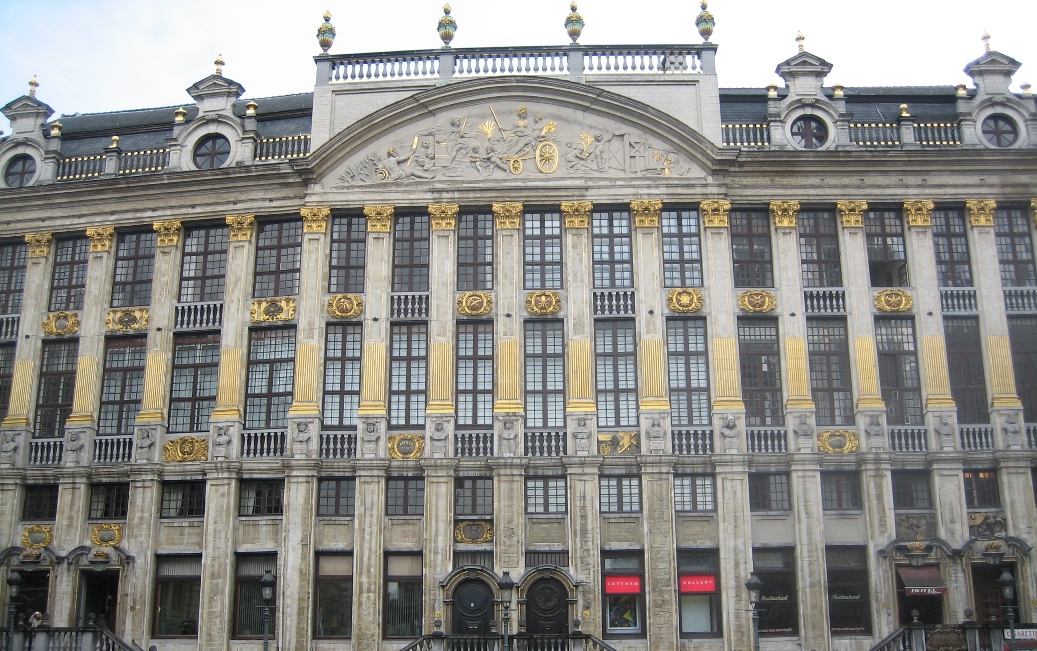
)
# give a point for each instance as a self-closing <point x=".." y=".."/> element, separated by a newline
<point x="106" y="55"/>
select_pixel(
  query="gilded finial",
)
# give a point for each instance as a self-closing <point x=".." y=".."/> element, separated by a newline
<point x="447" y="26"/>
<point x="219" y="65"/>
<point x="837" y="91"/>
<point x="55" y="128"/>
<point x="960" y="91"/>
<point x="705" y="23"/>
<point x="574" y="23"/>
<point x="1026" y="88"/>
<point x="800" y="39"/>
<point x="179" y="115"/>
<point x="34" y="83"/>
<point x="903" y="111"/>
<point x="986" y="41"/>
<point x="250" y="109"/>
<point x="115" y="142"/>
<point x="326" y="33"/>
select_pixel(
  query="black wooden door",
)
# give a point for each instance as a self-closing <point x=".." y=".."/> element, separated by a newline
<point x="547" y="608"/>
<point x="473" y="608"/>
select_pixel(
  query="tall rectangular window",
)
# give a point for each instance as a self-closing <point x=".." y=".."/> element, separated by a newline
<point x="682" y="248"/>
<point x="698" y="574"/>
<point x="6" y="377"/>
<point x="474" y="251"/>
<point x="405" y="496"/>
<point x="760" y="361"/>
<point x="612" y="250"/>
<point x="204" y="266"/>
<point x="624" y="603"/>
<point x="403" y="600"/>
<point x="951" y="245"/>
<point x="542" y="250"/>
<point x="911" y="490"/>
<point x="828" y="348"/>
<point x="183" y="499"/>
<point x="40" y="502"/>
<point x="1022" y="332"/>
<point x="848" y="606"/>
<point x="615" y="360"/>
<point x="840" y="490"/>
<point x="410" y="256"/>
<point x="122" y="385"/>
<point x="278" y="259"/>
<point x="967" y="371"/>
<point x="545" y="374"/>
<point x="109" y="501"/>
<point x="261" y="497"/>
<point x="13" y="260"/>
<point x="688" y="371"/>
<point x="887" y="251"/>
<point x="981" y="490"/>
<point x="1015" y="247"/>
<point x="751" y="248"/>
<point x="134" y="269"/>
<point x="545" y="495"/>
<point x="475" y="374"/>
<point x="57" y="385"/>
<point x="620" y="494"/>
<point x="408" y="362"/>
<point x="336" y="497"/>
<point x="248" y="611"/>
<point x="776" y="569"/>
<point x="271" y="377"/>
<point x="334" y="599"/>
<point x="819" y="249"/>
<point x="178" y="591"/>
<point x="348" y="254"/>
<point x="196" y="362"/>
<point x="693" y="493"/>
<point x="68" y="282"/>
<point x="342" y="348"/>
<point x="769" y="491"/>
<point x="473" y="496"/>
<point x="898" y="370"/>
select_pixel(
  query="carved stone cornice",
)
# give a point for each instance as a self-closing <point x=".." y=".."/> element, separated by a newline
<point x="379" y="218"/>
<point x="577" y="213"/>
<point x="852" y="213"/>
<point x="507" y="215"/>
<point x="646" y="213"/>
<point x="100" y="238"/>
<point x="981" y="211"/>
<point x="61" y="323"/>
<point x="345" y="306"/>
<point x="39" y="244"/>
<point x="785" y="213"/>
<point x="132" y="319"/>
<point x="315" y="219"/>
<point x="266" y="310"/>
<point x="474" y="303"/>
<point x="684" y="300"/>
<point x="918" y="213"/>
<point x="168" y="232"/>
<point x="757" y="300"/>
<point x="715" y="214"/>
<point x="241" y="227"/>
<point x="893" y="300"/>
<point x="443" y="216"/>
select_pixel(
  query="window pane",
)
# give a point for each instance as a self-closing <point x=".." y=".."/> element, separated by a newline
<point x="616" y="373"/>
<point x="612" y="250"/>
<point x="278" y="259"/>
<point x="204" y="264"/>
<point x="177" y="607"/>
<point x="760" y="360"/>
<point x="830" y="382"/>
<point x="751" y="248"/>
<point x="682" y="249"/>
<point x="348" y="254"/>
<point x="542" y="250"/>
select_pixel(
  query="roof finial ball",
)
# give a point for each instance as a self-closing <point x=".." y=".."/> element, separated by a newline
<point x="705" y="23"/>
<point x="800" y="39"/>
<point x="574" y="23"/>
<point x="34" y="83"/>
<point x="986" y="41"/>
<point x="326" y="33"/>
<point x="219" y="65"/>
<point x="447" y="26"/>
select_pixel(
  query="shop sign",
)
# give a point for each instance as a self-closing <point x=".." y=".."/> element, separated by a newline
<point x="622" y="585"/>
<point x="698" y="583"/>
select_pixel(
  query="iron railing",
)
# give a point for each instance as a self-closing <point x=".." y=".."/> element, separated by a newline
<point x="144" y="161"/>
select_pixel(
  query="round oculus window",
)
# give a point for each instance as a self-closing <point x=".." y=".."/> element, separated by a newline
<point x="809" y="132"/>
<point x="20" y="171"/>
<point x="1000" y="130"/>
<point x="212" y="152"/>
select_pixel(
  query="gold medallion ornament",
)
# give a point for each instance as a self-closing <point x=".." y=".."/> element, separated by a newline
<point x="577" y="213"/>
<point x="345" y="306"/>
<point x="507" y="215"/>
<point x="273" y="309"/>
<point x="106" y="534"/>
<point x="241" y="227"/>
<point x="646" y="213"/>
<point x="474" y="303"/>
<point x="61" y="323"/>
<point x="715" y="213"/>
<point x="473" y="532"/>
<point x="39" y="244"/>
<point x="981" y="211"/>
<point x="187" y="448"/>
<point x="100" y="238"/>
<point x="37" y="536"/>
<point x="785" y="213"/>
<point x="315" y="219"/>
<point x="406" y="446"/>
<point x="838" y="441"/>
<point x="379" y="218"/>
<point x="852" y="213"/>
<point x="443" y="216"/>
<point x="543" y="302"/>
<point x="619" y="443"/>
<point x="127" y="320"/>
<point x="684" y="300"/>
<point x="168" y="232"/>
<point x="893" y="300"/>
<point x="918" y="213"/>
<point x="757" y="300"/>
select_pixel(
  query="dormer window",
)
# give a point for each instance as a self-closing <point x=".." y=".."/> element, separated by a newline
<point x="1000" y="131"/>
<point x="20" y="171"/>
<point x="809" y="132"/>
<point x="212" y="152"/>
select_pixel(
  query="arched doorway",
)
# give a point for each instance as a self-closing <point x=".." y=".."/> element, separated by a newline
<point x="473" y="607"/>
<point x="547" y="607"/>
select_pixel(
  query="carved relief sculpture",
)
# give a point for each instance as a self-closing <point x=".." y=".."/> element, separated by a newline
<point x="893" y="300"/>
<point x="187" y="448"/>
<point x="379" y="218"/>
<point x="507" y="215"/>
<point x="37" y="536"/>
<point x="301" y="440"/>
<point x="874" y="427"/>
<point x="619" y="443"/>
<point x="145" y="441"/>
<point x="838" y="441"/>
<point x="220" y="442"/>
<point x="543" y="302"/>
<point x="474" y="303"/>
<point x="757" y="300"/>
<point x="345" y="306"/>
<point x="473" y="533"/>
<point x="126" y="320"/>
<point x="944" y="426"/>
<point x="981" y="211"/>
<point x="273" y="309"/>
<point x="684" y="300"/>
<point x="168" y="232"/>
<point x="577" y="214"/>
<point x="315" y="219"/>
<point x="370" y="440"/>
<point x="406" y="446"/>
<point x="39" y="244"/>
<point x="509" y="439"/>
<point x="582" y="435"/>
<point x="100" y="238"/>
<point x="443" y="216"/>
<point x="9" y="448"/>
<point x="646" y="214"/>
<point x="785" y="213"/>
<point x="241" y="227"/>
<point x="438" y="443"/>
<point x="656" y="437"/>
<point x="732" y="433"/>
<point x="852" y="213"/>
<point x="918" y="213"/>
<point x="715" y="213"/>
<point x="73" y="448"/>
<point x="61" y="323"/>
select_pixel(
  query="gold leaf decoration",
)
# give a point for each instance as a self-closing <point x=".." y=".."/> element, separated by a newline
<point x="918" y="213"/>
<point x="893" y="300"/>
<point x="37" y="536"/>
<point x="619" y="443"/>
<point x="127" y="320"/>
<point x="474" y="303"/>
<point x="100" y="238"/>
<point x="757" y="300"/>
<point x="473" y="532"/>
<point x="241" y="227"/>
<point x="379" y="218"/>
<point x="684" y="300"/>
<point x="577" y="213"/>
<point x="187" y="448"/>
<point x="981" y="211"/>
<point x="852" y="213"/>
<point x="443" y="216"/>
<point x="785" y="213"/>
<point x="507" y="215"/>
<point x="266" y="310"/>
<point x="39" y="244"/>
<point x="406" y="446"/>
<point x="543" y="302"/>
<point x="61" y="323"/>
<point x="315" y="219"/>
<point x="345" y="306"/>
<point x="106" y="534"/>
<point x="646" y="213"/>
<point x="837" y="441"/>
<point x="715" y="213"/>
<point x="168" y="232"/>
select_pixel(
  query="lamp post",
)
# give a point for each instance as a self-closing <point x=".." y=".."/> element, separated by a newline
<point x="753" y="585"/>
<point x="1007" y="583"/>
<point x="266" y="585"/>
<point x="14" y="584"/>
<point x="506" y="585"/>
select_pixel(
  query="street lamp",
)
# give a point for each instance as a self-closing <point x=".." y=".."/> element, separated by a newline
<point x="14" y="584"/>
<point x="1007" y="583"/>
<point x="506" y="585"/>
<point x="753" y="585"/>
<point x="266" y="585"/>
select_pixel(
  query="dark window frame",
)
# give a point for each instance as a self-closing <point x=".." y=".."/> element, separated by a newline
<point x="68" y="278"/>
<point x="912" y="490"/>
<point x="887" y="248"/>
<point x="203" y="268"/>
<point x="851" y="574"/>
<point x="615" y="371"/>
<point x="410" y="580"/>
<point x="191" y="503"/>
<point x="841" y="491"/>
<point x="40" y="503"/>
<point x="542" y="250"/>
<point x="1015" y="249"/>
<point x="1022" y="336"/>
<point x="410" y="496"/>
<point x="348" y="254"/>
<point x="408" y="374"/>
<point x="544" y="352"/>
<point x="473" y="497"/>
<point x="7" y="355"/>
<point x="249" y="584"/>
<point x="475" y="251"/>
<point x="820" y="261"/>
<point x="620" y="494"/>
<point x="982" y="490"/>
<point x="134" y="269"/>
<point x="336" y="497"/>
<point x="268" y="397"/>
<point x="774" y="581"/>
<point x="612" y="249"/>
<point x="700" y="561"/>
<point x="694" y="493"/>
<point x="831" y="382"/>
<point x="687" y="370"/>
<point x="899" y="371"/>
<point x="212" y="152"/>
<point x="266" y="498"/>
<point x="681" y="247"/>
<point x="751" y="249"/>
<point x="20" y="171"/>
<point x="122" y="385"/>
<point x="109" y="501"/>
<point x="951" y="248"/>
<point x="475" y="374"/>
<point x="343" y="349"/>
<point x="56" y="388"/>
<point x="345" y="584"/>
<point x="14" y="261"/>
<point x="966" y="368"/>
<point x="759" y="358"/>
<point x="278" y="258"/>
<point x="639" y="572"/>
<point x="192" y="582"/>
<point x="546" y="496"/>
<point x="770" y="492"/>
<point x="411" y="253"/>
<point x="193" y="384"/>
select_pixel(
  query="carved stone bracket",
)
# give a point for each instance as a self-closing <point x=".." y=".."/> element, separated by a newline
<point x="106" y="534"/>
<point x="345" y="306"/>
<point x="379" y="218"/>
<point x="619" y="443"/>
<point x="893" y="300"/>
<point x="715" y="214"/>
<point x="168" y="232"/>
<point x="684" y="300"/>
<point x="315" y="219"/>
<point x="647" y="214"/>
<point x="187" y="448"/>
<point x="838" y="441"/>
<point x="981" y="211"/>
<point x="757" y="300"/>
<point x="577" y="213"/>
<point x="273" y="309"/>
<point x="61" y="323"/>
<point x="37" y="536"/>
<point x="785" y="213"/>
<point x="918" y="213"/>
<point x="543" y="302"/>
<point x="507" y="215"/>
<point x="443" y="216"/>
<point x="852" y="213"/>
<point x="471" y="532"/>
<point x="406" y="446"/>
<point x="474" y="303"/>
<point x="100" y="238"/>
<point x="127" y="320"/>
<point x="39" y="244"/>
<point x="241" y="227"/>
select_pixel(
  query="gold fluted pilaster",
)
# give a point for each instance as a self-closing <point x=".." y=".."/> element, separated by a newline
<point x="85" y="395"/>
<point x="229" y="390"/>
<point x="1002" y="373"/>
<point x="728" y="380"/>
<point x="372" y="380"/>
<point x="307" y="380"/>
<point x="652" y="358"/>
<point x="938" y="380"/>
<point x="21" y="394"/>
<point x="509" y="371"/>
<point x="441" y="378"/>
<point x="869" y="394"/>
<point x="799" y="378"/>
<point x="152" y="407"/>
<point x="580" y="378"/>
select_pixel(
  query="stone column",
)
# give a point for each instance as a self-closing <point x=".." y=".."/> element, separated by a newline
<point x="660" y="532"/>
<point x="880" y="520"/>
<point x="509" y="514"/>
<point x="139" y="536"/>
<point x="952" y="523"/>
<point x="438" y="547"/>
<point x="297" y="558"/>
<point x="372" y="413"/>
<point x="736" y="545"/>
<point x="12" y="491"/>
<point x="309" y="335"/>
<point x="507" y="254"/>
<point x="1016" y="480"/>
<point x="443" y="275"/>
<point x="368" y="560"/>
<point x="581" y="404"/>
<point x="585" y="538"/>
<point x="811" y="566"/>
<point x="70" y="531"/>
<point x="216" y="627"/>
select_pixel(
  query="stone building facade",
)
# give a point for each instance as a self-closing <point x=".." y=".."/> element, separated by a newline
<point x="574" y="315"/>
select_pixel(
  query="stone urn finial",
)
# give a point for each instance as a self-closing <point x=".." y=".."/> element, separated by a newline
<point x="574" y="23"/>
<point x="34" y="83"/>
<point x="326" y="33"/>
<point x="800" y="39"/>
<point x="986" y="41"/>
<point x="219" y="65"/>
<point x="447" y="26"/>
<point x="705" y="23"/>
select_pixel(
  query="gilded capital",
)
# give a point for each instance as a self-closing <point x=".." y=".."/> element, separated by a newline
<point x="168" y="232"/>
<point x="443" y="216"/>
<point x="315" y="219"/>
<point x="785" y="213"/>
<point x="981" y="211"/>
<point x="507" y="215"/>
<point x="852" y="213"/>
<point x="241" y="227"/>
<point x="1033" y="210"/>
<point x="39" y="244"/>
<point x="646" y="213"/>
<point x="918" y="213"/>
<point x="379" y="218"/>
<point x="100" y="238"/>
<point x="577" y="213"/>
<point x="715" y="213"/>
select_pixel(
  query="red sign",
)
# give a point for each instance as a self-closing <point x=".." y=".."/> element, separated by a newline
<point x="692" y="583"/>
<point x="622" y="585"/>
